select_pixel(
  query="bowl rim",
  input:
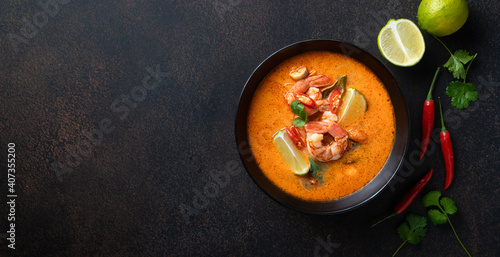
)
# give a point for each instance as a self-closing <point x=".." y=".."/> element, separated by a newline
<point x="384" y="176"/>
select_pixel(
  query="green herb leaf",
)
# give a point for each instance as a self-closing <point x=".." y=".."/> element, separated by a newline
<point x="298" y="109"/>
<point x="431" y="199"/>
<point x="436" y="217"/>
<point x="417" y="235"/>
<point x="298" y="122"/>
<point x="456" y="63"/>
<point x="413" y="229"/>
<point x="448" y="205"/>
<point x="404" y="230"/>
<point x="315" y="170"/>
<point x="463" y="56"/>
<point x="455" y="67"/>
<point x="461" y="94"/>
<point x="439" y="216"/>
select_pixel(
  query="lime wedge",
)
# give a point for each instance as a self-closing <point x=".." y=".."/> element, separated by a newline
<point x="353" y="107"/>
<point x="401" y="42"/>
<point x="292" y="156"/>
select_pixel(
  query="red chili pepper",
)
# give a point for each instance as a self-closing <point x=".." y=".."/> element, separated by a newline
<point x="292" y="136"/>
<point x="409" y="197"/>
<point x="305" y="100"/>
<point x="428" y="118"/>
<point x="295" y="131"/>
<point x="295" y="136"/>
<point x="447" y="149"/>
<point x="334" y="104"/>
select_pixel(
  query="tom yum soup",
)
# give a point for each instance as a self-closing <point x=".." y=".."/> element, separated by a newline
<point x="321" y="126"/>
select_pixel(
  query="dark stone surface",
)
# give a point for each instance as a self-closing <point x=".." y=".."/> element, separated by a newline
<point x="157" y="151"/>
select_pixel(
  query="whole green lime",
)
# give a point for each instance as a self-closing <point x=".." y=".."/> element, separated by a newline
<point x="442" y="17"/>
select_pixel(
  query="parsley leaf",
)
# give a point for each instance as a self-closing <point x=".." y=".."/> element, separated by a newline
<point x="412" y="230"/>
<point x="298" y="109"/>
<point x="461" y="94"/>
<point x="315" y="170"/>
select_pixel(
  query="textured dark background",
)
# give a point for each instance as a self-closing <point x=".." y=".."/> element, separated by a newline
<point x="124" y="197"/>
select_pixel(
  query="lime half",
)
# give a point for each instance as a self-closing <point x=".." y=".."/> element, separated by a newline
<point x="401" y="42"/>
<point x="292" y="156"/>
<point x="353" y="107"/>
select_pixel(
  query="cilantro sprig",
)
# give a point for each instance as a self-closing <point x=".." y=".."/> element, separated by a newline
<point x="412" y="230"/>
<point x="461" y="92"/>
<point x="298" y="109"/>
<point x="445" y="206"/>
<point x="456" y="63"/>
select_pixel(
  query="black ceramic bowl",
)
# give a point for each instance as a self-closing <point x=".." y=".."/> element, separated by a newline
<point x="378" y="183"/>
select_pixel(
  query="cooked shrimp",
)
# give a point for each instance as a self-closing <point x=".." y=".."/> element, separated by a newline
<point x="321" y="150"/>
<point x="317" y="127"/>
<point x="322" y="105"/>
<point x="314" y="93"/>
<point x="329" y="116"/>
<point x="356" y="134"/>
<point x="303" y="85"/>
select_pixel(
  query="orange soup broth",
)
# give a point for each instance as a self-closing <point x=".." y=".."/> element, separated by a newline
<point x="269" y="112"/>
